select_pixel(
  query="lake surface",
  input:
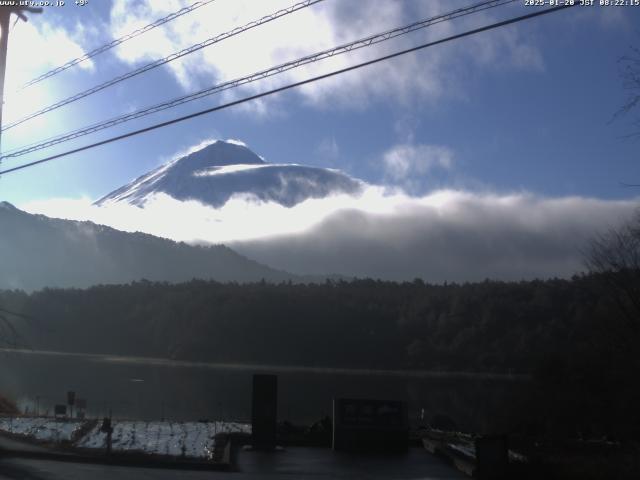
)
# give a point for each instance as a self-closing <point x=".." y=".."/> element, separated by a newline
<point x="148" y="389"/>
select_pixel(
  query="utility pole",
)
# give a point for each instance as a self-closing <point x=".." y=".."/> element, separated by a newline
<point x="5" y="20"/>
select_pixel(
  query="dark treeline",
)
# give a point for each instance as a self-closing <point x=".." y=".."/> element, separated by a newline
<point x="488" y="326"/>
<point x="567" y="334"/>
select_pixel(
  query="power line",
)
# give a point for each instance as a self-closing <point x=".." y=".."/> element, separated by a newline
<point x="162" y="61"/>
<point x="291" y="85"/>
<point x="116" y="42"/>
<point x="365" y="42"/>
<point x="345" y="48"/>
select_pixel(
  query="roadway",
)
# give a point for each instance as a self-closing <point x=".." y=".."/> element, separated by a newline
<point x="295" y="462"/>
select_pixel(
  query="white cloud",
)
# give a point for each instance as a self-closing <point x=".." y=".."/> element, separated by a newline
<point x="328" y="150"/>
<point x="26" y="60"/>
<point x="422" y="76"/>
<point x="406" y="161"/>
<point x="61" y="46"/>
<point x="236" y="142"/>
<point x="445" y="235"/>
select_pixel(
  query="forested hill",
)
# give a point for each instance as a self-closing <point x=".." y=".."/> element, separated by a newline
<point x="488" y="326"/>
<point x="39" y="251"/>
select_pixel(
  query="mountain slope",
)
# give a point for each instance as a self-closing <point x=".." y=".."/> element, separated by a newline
<point x="37" y="252"/>
<point x="220" y="170"/>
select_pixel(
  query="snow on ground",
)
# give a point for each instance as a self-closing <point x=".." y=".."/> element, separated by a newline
<point x="188" y="439"/>
<point x="179" y="439"/>
<point x="467" y="449"/>
<point x="41" y="429"/>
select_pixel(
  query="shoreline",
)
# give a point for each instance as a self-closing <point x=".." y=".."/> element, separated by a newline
<point x="165" y="362"/>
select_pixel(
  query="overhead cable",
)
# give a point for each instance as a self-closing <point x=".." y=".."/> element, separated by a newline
<point x="289" y="86"/>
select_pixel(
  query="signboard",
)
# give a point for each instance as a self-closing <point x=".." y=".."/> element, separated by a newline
<point x="81" y="403"/>
<point x="370" y="425"/>
<point x="264" y="411"/>
<point x="60" y="410"/>
<point x="71" y="397"/>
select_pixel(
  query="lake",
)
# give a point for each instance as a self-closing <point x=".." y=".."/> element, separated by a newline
<point x="148" y="389"/>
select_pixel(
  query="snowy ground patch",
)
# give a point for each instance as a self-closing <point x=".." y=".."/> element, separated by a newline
<point x="42" y="429"/>
<point x="176" y="439"/>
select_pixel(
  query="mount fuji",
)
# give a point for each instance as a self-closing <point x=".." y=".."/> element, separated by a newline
<point x="217" y="172"/>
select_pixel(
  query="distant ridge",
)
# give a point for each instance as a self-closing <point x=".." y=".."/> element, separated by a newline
<point x="37" y="252"/>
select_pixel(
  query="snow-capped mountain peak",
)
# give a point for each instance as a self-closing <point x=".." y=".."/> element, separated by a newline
<point x="220" y="170"/>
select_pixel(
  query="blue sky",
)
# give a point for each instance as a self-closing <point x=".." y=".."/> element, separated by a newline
<point x="524" y="110"/>
<point x="538" y="124"/>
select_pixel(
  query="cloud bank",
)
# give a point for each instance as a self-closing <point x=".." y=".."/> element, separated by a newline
<point x="447" y="235"/>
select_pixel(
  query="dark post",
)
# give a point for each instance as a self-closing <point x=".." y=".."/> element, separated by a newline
<point x="5" y="18"/>
<point x="264" y="411"/>
<point x="108" y="429"/>
<point x="71" y="398"/>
